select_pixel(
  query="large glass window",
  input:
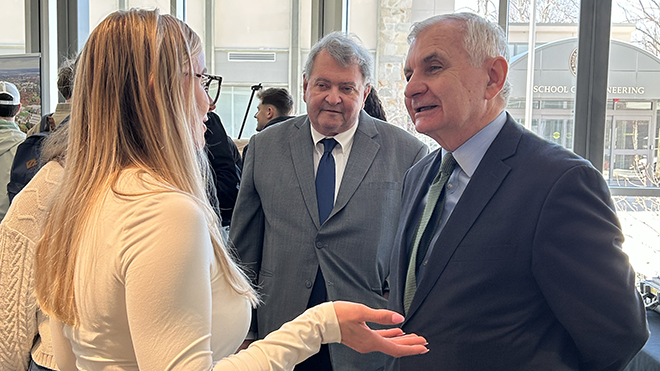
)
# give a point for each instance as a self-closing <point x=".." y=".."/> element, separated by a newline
<point x="554" y="61"/>
<point x="251" y="45"/>
<point x="640" y="218"/>
<point x="631" y="132"/>
<point x="12" y="37"/>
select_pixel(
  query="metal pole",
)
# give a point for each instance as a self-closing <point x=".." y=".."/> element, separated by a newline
<point x="531" y="53"/>
<point x="254" y="90"/>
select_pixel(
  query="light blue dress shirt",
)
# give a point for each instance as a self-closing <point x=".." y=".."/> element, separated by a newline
<point x="468" y="156"/>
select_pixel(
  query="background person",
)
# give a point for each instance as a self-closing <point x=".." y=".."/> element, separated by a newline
<point x="373" y="106"/>
<point x="508" y="254"/>
<point x="131" y="268"/>
<point x="65" y="76"/>
<point x="276" y="106"/>
<point x="24" y="328"/>
<point x="10" y="137"/>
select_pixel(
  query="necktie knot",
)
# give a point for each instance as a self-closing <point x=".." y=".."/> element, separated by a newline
<point x="328" y="145"/>
<point x="446" y="167"/>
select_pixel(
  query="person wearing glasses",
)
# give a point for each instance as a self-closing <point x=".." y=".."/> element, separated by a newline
<point x="131" y="268"/>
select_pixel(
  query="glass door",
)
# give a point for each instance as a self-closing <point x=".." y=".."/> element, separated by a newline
<point x="556" y="129"/>
<point x="628" y="149"/>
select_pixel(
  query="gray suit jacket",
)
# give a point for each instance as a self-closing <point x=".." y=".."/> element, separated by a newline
<point x="276" y="229"/>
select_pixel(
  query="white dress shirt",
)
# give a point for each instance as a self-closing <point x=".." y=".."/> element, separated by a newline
<point x="341" y="151"/>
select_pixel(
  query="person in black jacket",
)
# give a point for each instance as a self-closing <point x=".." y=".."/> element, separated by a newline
<point x="226" y="163"/>
<point x="276" y="106"/>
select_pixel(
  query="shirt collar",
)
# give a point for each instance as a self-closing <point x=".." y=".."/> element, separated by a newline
<point x="469" y="154"/>
<point x="6" y="124"/>
<point x="344" y="139"/>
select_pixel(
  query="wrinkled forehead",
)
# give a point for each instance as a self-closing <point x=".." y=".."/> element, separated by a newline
<point x="349" y="70"/>
<point x="443" y="37"/>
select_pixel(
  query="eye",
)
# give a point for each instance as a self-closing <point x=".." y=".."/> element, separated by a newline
<point x="435" y="68"/>
<point x="408" y="76"/>
<point x="347" y="89"/>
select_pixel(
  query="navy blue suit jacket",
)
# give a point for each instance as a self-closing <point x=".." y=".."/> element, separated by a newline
<point x="528" y="272"/>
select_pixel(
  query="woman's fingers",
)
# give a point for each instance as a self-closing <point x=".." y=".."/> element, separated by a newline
<point x="357" y="335"/>
<point x="410" y="339"/>
<point x="390" y="332"/>
<point x="407" y="345"/>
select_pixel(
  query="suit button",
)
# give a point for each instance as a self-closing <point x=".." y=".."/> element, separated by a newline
<point x="319" y="245"/>
<point x="308" y="284"/>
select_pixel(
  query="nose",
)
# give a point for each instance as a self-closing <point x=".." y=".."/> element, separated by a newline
<point x="414" y="87"/>
<point x="333" y="96"/>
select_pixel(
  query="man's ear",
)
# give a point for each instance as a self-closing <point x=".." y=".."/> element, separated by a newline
<point x="305" y="83"/>
<point x="367" y="90"/>
<point x="271" y="112"/>
<point x="498" y="68"/>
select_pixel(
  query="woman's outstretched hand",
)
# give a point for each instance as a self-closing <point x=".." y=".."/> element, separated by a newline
<point x="356" y="334"/>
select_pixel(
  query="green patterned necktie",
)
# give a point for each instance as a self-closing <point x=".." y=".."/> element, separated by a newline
<point x="433" y="198"/>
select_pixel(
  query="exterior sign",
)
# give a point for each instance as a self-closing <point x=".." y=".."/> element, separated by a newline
<point x="633" y="72"/>
<point x="620" y="90"/>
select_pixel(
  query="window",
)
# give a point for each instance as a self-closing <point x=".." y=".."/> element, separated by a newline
<point x="12" y="39"/>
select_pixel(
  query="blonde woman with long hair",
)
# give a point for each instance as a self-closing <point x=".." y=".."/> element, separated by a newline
<point x="131" y="268"/>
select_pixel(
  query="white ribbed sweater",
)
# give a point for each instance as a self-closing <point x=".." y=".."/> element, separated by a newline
<point x="20" y="317"/>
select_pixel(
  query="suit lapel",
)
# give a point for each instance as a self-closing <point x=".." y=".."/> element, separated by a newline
<point x="485" y="181"/>
<point x="410" y="220"/>
<point x="302" y="154"/>
<point x="363" y="153"/>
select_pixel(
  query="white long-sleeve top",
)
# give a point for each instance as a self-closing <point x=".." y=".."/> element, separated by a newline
<point x="150" y="294"/>
<point x="24" y="329"/>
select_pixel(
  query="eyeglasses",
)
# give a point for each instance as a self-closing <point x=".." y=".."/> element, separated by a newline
<point x="211" y="84"/>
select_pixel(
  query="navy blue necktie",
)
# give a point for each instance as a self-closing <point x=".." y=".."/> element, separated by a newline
<point x="325" y="180"/>
<point x="325" y="197"/>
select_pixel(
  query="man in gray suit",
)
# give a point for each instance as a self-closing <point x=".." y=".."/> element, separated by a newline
<point x="319" y="200"/>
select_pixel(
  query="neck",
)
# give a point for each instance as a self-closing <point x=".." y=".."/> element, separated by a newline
<point x="7" y="118"/>
<point x="458" y="136"/>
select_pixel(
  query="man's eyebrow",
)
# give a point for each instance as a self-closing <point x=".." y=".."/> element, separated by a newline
<point x="426" y="60"/>
<point x="431" y="57"/>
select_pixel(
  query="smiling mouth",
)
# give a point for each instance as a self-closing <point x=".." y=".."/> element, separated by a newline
<point x="424" y="108"/>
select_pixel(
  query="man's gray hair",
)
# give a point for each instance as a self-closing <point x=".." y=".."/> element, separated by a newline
<point x="344" y="49"/>
<point x="482" y="39"/>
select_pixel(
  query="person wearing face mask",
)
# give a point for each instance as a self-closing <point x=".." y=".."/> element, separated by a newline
<point x="132" y="269"/>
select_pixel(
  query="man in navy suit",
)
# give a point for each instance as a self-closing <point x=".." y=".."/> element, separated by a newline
<point x="518" y="266"/>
